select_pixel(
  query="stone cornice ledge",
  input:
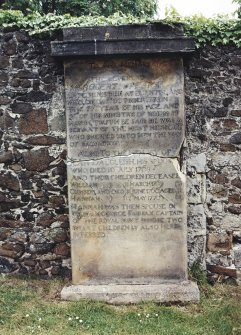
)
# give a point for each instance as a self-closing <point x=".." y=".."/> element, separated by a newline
<point x="156" y="38"/>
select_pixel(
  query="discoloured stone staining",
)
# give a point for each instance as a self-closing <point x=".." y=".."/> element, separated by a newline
<point x="119" y="107"/>
<point x="127" y="202"/>
<point x="128" y="218"/>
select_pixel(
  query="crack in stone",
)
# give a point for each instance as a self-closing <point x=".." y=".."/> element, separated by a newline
<point x="69" y="160"/>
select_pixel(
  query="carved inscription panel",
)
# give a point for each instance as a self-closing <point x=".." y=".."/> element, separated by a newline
<point x="121" y="106"/>
<point x="128" y="219"/>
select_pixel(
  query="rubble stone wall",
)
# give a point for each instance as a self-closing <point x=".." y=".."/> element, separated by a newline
<point x="212" y="159"/>
<point x="34" y="226"/>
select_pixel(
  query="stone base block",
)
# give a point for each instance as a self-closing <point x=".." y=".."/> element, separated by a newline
<point x="184" y="292"/>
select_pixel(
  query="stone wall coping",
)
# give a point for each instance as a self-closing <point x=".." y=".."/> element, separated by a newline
<point x="156" y="38"/>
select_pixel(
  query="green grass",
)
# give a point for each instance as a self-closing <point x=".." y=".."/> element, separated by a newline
<point x="30" y="306"/>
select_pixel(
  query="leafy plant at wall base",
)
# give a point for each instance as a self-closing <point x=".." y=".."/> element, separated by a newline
<point x="197" y="273"/>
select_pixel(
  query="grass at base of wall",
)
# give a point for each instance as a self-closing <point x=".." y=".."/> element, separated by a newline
<point x="30" y="306"/>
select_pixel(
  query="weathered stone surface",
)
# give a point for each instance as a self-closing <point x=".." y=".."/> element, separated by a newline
<point x="196" y="189"/>
<point x="227" y="147"/>
<point x="4" y="233"/>
<point x="198" y="162"/>
<point x="40" y="248"/>
<point x="130" y="39"/>
<point x="236" y="112"/>
<point x="35" y="96"/>
<point x="237" y="256"/>
<point x="25" y="180"/>
<point x="9" y="181"/>
<point x="228" y="221"/>
<point x="38" y="238"/>
<point x="235" y="210"/>
<point x="57" y="235"/>
<point x="120" y="107"/>
<point x="10" y="48"/>
<point x="10" y="223"/>
<point x="59" y="171"/>
<point x="217" y="178"/>
<point x="62" y="249"/>
<point x="125" y="212"/>
<point x="57" y="200"/>
<point x="11" y="250"/>
<point x="230" y="124"/>
<point x="45" y="140"/>
<point x="23" y="83"/>
<point x="44" y="264"/>
<point x="64" y="219"/>
<point x="122" y="32"/>
<point x="21" y="107"/>
<point x="38" y="194"/>
<point x="6" y="266"/>
<point x="220" y="242"/>
<point x="231" y="159"/>
<point x="19" y="236"/>
<point x="25" y="74"/>
<point x="34" y="122"/>
<point x="56" y="114"/>
<point x="182" y="292"/>
<point x="6" y="156"/>
<point x="4" y="100"/>
<point x="236" y="139"/>
<point x="128" y="47"/>
<point x="8" y="204"/>
<point x="9" y="121"/>
<point x="236" y="182"/>
<point x="218" y="191"/>
<point x="2" y="196"/>
<point x="30" y="262"/>
<point x="55" y="270"/>
<point x="17" y="62"/>
<point x="4" y="62"/>
<point x="37" y="160"/>
<point x="235" y="198"/>
<point x="3" y="78"/>
<point x="231" y="272"/>
<point x="22" y="36"/>
<point x="197" y="231"/>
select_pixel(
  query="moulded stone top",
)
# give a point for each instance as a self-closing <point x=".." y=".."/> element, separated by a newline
<point x="122" y="32"/>
<point x="155" y="38"/>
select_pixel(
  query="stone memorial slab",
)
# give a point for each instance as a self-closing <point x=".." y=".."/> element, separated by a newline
<point x="128" y="220"/>
<point x="127" y="196"/>
<point x="124" y="106"/>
